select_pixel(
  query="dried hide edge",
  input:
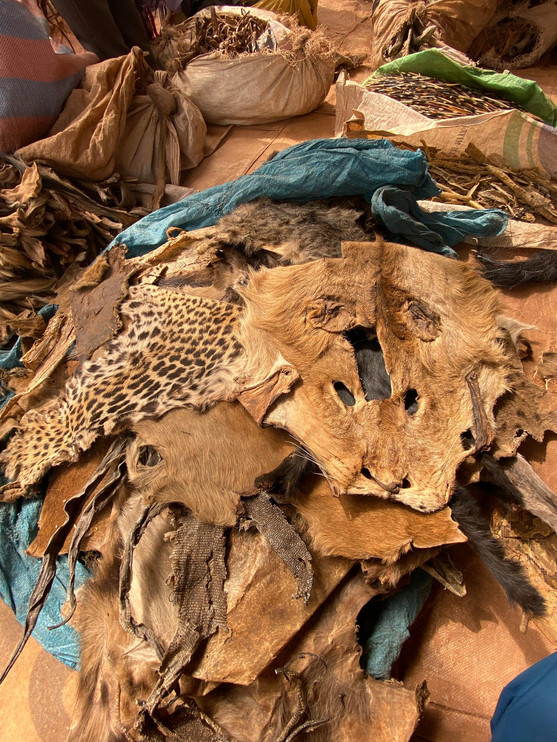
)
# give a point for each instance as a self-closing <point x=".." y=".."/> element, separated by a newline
<point x="109" y="659"/>
<point x="263" y="616"/>
<point x="95" y="301"/>
<point x="317" y="685"/>
<point x="362" y="528"/>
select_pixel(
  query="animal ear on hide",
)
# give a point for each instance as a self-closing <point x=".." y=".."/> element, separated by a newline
<point x="257" y="399"/>
<point x="424" y="320"/>
<point x="329" y="315"/>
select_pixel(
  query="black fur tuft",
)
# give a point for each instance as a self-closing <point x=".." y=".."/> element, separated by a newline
<point x="509" y="574"/>
<point x="539" y="268"/>
<point x="374" y="377"/>
<point x="287" y="477"/>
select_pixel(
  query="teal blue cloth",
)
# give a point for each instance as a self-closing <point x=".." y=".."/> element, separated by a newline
<point x="399" y="213"/>
<point x="526" y="710"/>
<point x="384" y="625"/>
<point x="321" y="168"/>
<point x="19" y="572"/>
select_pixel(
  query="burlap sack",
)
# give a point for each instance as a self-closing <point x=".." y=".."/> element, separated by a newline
<point x="517" y="38"/>
<point x="264" y="86"/>
<point x="107" y="127"/>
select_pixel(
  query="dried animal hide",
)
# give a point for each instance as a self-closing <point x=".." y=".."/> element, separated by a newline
<point x="204" y="461"/>
<point x="300" y="356"/>
<point x="317" y="686"/>
<point x="288" y="233"/>
<point x="361" y="528"/>
<point x="176" y="350"/>
<point x="436" y="323"/>
<point x="119" y="669"/>
<point x="541" y="267"/>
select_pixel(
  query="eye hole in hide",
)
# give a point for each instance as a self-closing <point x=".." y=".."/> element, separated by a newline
<point x="370" y="361"/>
<point x="344" y="393"/>
<point x="405" y="484"/>
<point x="468" y="440"/>
<point x="366" y="473"/>
<point x="148" y="456"/>
<point x="411" y="401"/>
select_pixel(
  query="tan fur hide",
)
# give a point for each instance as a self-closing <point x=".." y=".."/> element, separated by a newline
<point x="281" y="355"/>
<point x="436" y="321"/>
<point x="369" y="528"/>
<point x="207" y="461"/>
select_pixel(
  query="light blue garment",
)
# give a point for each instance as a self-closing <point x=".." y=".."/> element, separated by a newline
<point x="399" y="213"/>
<point x="321" y="168"/>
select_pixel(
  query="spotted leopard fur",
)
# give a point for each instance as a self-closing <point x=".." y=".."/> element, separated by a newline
<point x="177" y="350"/>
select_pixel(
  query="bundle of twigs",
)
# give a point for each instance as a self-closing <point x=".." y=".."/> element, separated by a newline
<point x="470" y="180"/>
<point x="226" y="33"/>
<point x="48" y="224"/>
<point x="434" y="98"/>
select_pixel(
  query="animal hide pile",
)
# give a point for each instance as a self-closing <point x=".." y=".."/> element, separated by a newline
<point x="268" y="431"/>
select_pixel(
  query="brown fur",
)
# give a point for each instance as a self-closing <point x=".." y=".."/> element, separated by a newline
<point x="207" y="459"/>
<point x="116" y="671"/>
<point x="431" y="339"/>
<point x="359" y="527"/>
<point x="289" y="233"/>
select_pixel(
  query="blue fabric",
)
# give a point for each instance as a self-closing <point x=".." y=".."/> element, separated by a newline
<point x="384" y="625"/>
<point x="19" y="572"/>
<point x="399" y="213"/>
<point x="323" y="168"/>
<point x="527" y="708"/>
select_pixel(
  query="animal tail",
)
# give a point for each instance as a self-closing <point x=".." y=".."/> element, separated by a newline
<point x="538" y="268"/>
<point x="509" y="574"/>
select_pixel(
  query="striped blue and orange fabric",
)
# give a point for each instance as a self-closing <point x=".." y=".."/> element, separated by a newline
<point x="34" y="80"/>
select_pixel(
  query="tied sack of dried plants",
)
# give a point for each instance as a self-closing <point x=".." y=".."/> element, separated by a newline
<point x="518" y="36"/>
<point x="241" y="67"/>
<point x="402" y="27"/>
